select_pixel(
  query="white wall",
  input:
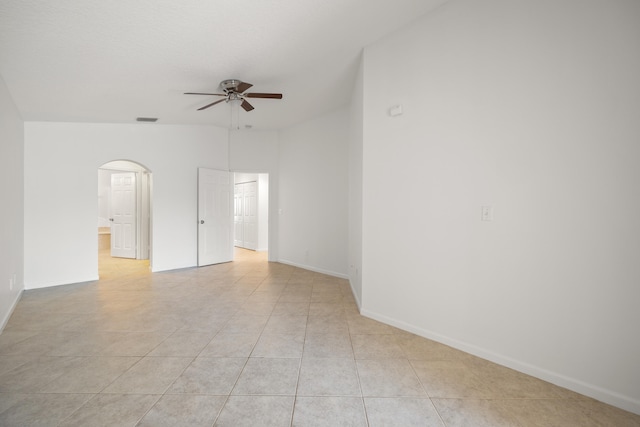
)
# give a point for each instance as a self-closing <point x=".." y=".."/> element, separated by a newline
<point x="61" y="182"/>
<point x="12" y="212"/>
<point x="531" y="107"/>
<point x="313" y="192"/>
<point x="355" y="186"/>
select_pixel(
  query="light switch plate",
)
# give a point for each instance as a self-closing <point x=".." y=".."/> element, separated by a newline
<point x="487" y="213"/>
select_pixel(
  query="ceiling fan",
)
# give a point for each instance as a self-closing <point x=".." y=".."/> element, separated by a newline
<point x="234" y="91"/>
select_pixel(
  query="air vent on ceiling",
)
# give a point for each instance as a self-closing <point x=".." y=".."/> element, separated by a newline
<point x="147" y="119"/>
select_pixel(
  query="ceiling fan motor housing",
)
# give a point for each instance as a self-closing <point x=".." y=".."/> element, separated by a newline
<point x="230" y="85"/>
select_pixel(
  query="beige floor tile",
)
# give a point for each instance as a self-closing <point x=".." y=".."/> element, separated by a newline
<point x="231" y="345"/>
<point x="263" y="297"/>
<point x="9" y="399"/>
<point x="89" y="374"/>
<point x="34" y="375"/>
<point x="603" y="414"/>
<point x="174" y="410"/>
<point x="327" y="297"/>
<point x="388" y="378"/>
<point x="450" y="379"/>
<point x="267" y="376"/>
<point x="418" y="348"/>
<point x="328" y="346"/>
<point x="376" y="347"/>
<point x="279" y="345"/>
<point x="328" y="377"/>
<point x="329" y="411"/>
<point x="258" y="308"/>
<point x="39" y="344"/>
<point x="503" y="382"/>
<point x="10" y="336"/>
<point x="359" y="325"/>
<point x="39" y="320"/>
<point x="326" y="308"/>
<point x="182" y="344"/>
<point x="295" y="296"/>
<point x="209" y="323"/>
<point x="291" y="309"/>
<point x="208" y="376"/>
<point x="111" y="410"/>
<point x="326" y="286"/>
<point x="92" y="343"/>
<point x="287" y="324"/>
<point x="252" y="411"/>
<point x="150" y="375"/>
<point x="245" y="324"/>
<point x="327" y="324"/>
<point x="297" y="285"/>
<point x="135" y="343"/>
<point x="477" y="413"/>
<point x="271" y="287"/>
<point x="401" y="412"/>
<point x="39" y="410"/>
<point x="549" y="412"/>
<point x="9" y="363"/>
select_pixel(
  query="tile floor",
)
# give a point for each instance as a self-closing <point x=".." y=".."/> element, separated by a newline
<point x="249" y="343"/>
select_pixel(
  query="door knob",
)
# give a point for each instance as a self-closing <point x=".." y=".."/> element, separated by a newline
<point x="111" y="219"/>
<point x="202" y="221"/>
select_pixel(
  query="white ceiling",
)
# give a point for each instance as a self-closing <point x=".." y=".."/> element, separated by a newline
<point x="115" y="60"/>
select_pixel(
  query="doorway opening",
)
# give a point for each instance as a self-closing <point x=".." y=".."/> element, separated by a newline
<point x="124" y="217"/>
<point x="227" y="221"/>
<point x="251" y="211"/>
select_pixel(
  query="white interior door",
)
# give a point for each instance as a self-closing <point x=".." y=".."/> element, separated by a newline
<point x="123" y="215"/>
<point x="238" y="239"/>
<point x="250" y="215"/>
<point x="215" y="217"/>
<point x="246" y="215"/>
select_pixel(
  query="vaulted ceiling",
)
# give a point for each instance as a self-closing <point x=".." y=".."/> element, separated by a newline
<point x="112" y="61"/>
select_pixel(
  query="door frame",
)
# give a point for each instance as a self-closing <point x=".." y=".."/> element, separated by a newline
<point x="144" y="210"/>
<point x="271" y="205"/>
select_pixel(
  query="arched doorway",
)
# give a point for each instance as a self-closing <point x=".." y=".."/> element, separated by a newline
<point x="124" y="217"/>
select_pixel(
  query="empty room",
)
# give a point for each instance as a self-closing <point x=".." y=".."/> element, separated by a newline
<point x="198" y="229"/>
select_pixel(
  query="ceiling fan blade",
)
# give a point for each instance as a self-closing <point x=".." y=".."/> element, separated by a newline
<point x="211" y="105"/>
<point x="198" y="93"/>
<point x="264" y="95"/>
<point x="246" y="105"/>
<point x="243" y="86"/>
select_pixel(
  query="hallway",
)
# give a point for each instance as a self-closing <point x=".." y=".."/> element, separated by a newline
<point x="249" y="343"/>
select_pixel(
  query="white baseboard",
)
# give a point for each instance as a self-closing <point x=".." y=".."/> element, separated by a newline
<point x="314" y="269"/>
<point x="7" y="315"/>
<point x="355" y="296"/>
<point x="64" y="283"/>
<point x="607" y="396"/>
